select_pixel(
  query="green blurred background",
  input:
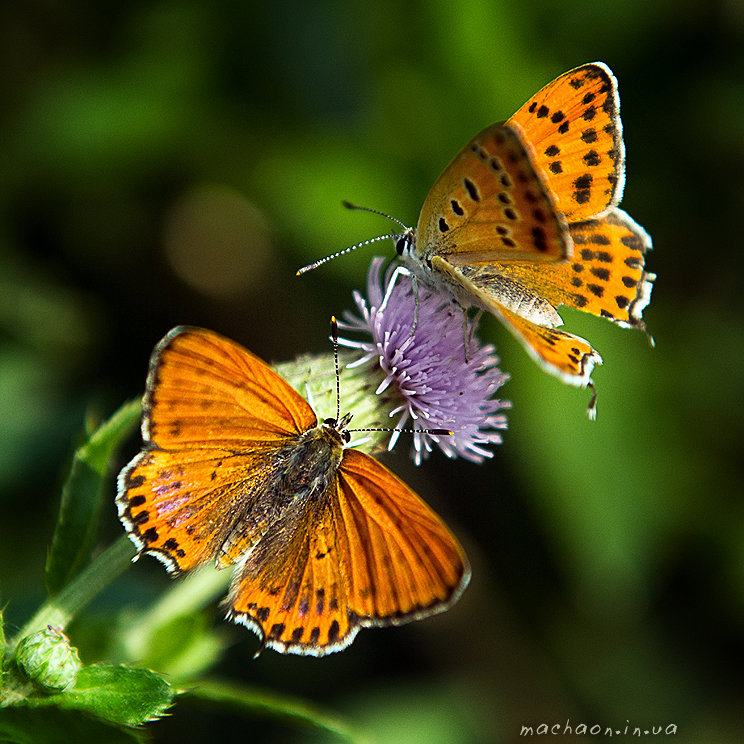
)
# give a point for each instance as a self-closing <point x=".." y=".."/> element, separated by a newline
<point x="175" y="162"/>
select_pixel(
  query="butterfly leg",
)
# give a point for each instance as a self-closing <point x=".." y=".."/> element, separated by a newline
<point x="591" y="409"/>
<point x="399" y="271"/>
<point x="403" y="271"/>
<point x="470" y="331"/>
<point x="415" y="287"/>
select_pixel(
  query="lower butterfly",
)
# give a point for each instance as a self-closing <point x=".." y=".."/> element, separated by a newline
<point x="236" y="468"/>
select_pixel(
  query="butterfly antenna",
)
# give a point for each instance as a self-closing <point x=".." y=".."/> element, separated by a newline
<point x="334" y="337"/>
<point x="349" y="205"/>
<point x="387" y="216"/>
<point x="440" y="432"/>
<point x="321" y="261"/>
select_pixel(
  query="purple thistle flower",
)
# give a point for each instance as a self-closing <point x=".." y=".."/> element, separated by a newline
<point x="427" y="374"/>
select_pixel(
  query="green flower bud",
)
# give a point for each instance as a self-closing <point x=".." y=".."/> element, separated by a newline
<point x="48" y="659"/>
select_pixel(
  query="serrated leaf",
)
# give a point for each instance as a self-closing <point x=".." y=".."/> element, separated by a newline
<point x="82" y="497"/>
<point x="52" y="726"/>
<point x="119" y="694"/>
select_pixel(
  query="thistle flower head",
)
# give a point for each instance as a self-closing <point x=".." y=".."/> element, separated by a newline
<point x="428" y="378"/>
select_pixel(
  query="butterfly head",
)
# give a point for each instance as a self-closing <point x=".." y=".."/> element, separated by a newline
<point x="404" y="243"/>
<point x="339" y="426"/>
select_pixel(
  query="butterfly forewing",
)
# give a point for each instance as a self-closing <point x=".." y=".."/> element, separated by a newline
<point x="213" y="415"/>
<point x="573" y="126"/>
<point x="204" y="387"/>
<point x="490" y="204"/>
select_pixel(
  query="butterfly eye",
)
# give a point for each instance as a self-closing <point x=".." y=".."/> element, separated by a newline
<point x="339" y="426"/>
<point x="403" y="244"/>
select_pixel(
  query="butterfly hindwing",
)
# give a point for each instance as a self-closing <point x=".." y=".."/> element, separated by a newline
<point x="399" y="559"/>
<point x="610" y="261"/>
<point x="182" y="506"/>
<point x="568" y="357"/>
<point x="369" y="553"/>
<point x="605" y="277"/>
<point x="530" y="317"/>
<point x="291" y="589"/>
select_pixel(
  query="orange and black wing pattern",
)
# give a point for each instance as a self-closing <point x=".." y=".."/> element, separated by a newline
<point x="213" y="416"/>
<point x="401" y="560"/>
<point x="369" y="553"/>
<point x="606" y="275"/>
<point x="490" y="204"/>
<point x="573" y="126"/>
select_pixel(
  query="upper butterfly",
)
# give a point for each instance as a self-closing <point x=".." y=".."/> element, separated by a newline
<point x="525" y="219"/>
<point x="236" y="468"/>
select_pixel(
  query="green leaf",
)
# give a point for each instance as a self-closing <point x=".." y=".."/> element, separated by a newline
<point x="119" y="694"/>
<point x="262" y="704"/>
<point x="82" y="497"/>
<point x="52" y="726"/>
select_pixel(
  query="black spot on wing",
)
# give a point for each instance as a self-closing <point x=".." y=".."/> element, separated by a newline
<point x="472" y="189"/>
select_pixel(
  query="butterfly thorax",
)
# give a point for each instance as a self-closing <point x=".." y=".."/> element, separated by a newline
<point x="310" y="463"/>
<point x="297" y="476"/>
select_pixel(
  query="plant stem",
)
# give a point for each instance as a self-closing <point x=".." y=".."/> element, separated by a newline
<point x="59" y="610"/>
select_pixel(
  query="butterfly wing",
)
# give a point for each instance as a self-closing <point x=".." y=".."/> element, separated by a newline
<point x="568" y="357"/>
<point x="490" y="204"/>
<point x="291" y="589"/>
<point x="214" y="416"/>
<point x="573" y="126"/>
<point x="203" y="388"/>
<point x="530" y="317"/>
<point x="605" y="277"/>
<point x="400" y="560"/>
<point x="369" y="553"/>
<point x="610" y="259"/>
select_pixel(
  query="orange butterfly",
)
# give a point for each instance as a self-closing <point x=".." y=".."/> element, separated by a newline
<point x="237" y="468"/>
<point x="525" y="219"/>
